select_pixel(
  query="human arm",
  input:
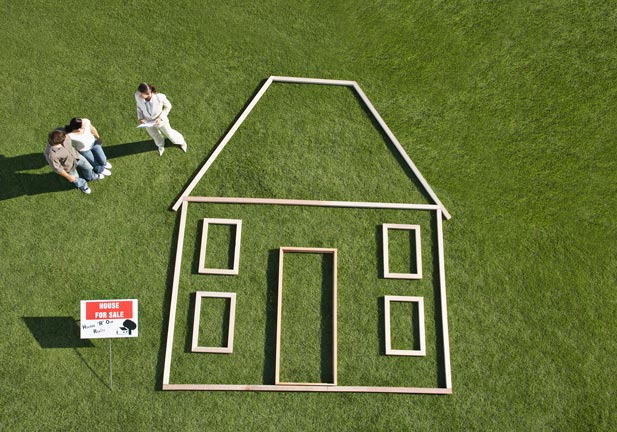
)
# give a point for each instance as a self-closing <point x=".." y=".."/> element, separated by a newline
<point x="140" y="115"/>
<point x="94" y="132"/>
<point x="140" y="112"/>
<point x="166" y="108"/>
<point x="67" y="176"/>
<point x="58" y="168"/>
<point x="90" y="127"/>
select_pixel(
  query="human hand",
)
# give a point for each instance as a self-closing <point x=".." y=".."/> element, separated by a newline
<point x="157" y="121"/>
<point x="142" y="121"/>
<point x="71" y="178"/>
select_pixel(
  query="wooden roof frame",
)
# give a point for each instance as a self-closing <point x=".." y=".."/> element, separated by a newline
<point x="296" y="80"/>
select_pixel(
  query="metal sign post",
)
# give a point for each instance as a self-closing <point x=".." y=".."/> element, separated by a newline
<point x="111" y="369"/>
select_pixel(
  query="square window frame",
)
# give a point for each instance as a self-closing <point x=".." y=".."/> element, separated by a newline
<point x="232" y="317"/>
<point x="387" y="274"/>
<point x="387" y="329"/>
<point x="202" y="269"/>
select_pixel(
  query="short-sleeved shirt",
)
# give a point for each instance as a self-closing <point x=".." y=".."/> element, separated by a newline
<point x="85" y="140"/>
<point x="63" y="157"/>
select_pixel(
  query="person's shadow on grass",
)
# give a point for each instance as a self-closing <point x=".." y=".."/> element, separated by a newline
<point x="16" y="181"/>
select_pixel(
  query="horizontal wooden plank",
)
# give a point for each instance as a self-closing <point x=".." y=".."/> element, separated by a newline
<point x="311" y="203"/>
<point x="306" y="388"/>
<point x="300" y="80"/>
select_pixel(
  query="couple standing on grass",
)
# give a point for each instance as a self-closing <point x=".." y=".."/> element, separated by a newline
<point x="75" y="152"/>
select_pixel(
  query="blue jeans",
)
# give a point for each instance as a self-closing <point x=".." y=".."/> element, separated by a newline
<point x="84" y="173"/>
<point x="96" y="157"/>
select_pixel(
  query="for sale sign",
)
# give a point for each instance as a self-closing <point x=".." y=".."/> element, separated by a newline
<point x="108" y="319"/>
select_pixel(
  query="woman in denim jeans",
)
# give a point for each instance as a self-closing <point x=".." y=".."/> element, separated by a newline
<point x="87" y="142"/>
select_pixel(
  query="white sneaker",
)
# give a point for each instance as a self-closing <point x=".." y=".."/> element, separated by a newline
<point x="86" y="190"/>
<point x="184" y="147"/>
<point x="98" y="177"/>
<point x="108" y="165"/>
<point x="106" y="172"/>
<point x="161" y="151"/>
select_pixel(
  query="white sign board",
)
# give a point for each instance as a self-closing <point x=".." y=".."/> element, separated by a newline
<point x="108" y="319"/>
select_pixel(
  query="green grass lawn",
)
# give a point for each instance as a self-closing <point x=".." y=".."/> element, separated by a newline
<point x="507" y="108"/>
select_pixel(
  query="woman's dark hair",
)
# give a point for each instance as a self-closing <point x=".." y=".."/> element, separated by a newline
<point x="73" y="125"/>
<point x="145" y="87"/>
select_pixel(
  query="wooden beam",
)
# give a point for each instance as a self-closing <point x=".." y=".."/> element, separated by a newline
<point x="230" y="133"/>
<point x="311" y="203"/>
<point x="400" y="149"/>
<point x="298" y="249"/>
<point x="174" y="295"/>
<point x="442" y="296"/>
<point x="298" y="80"/>
<point x="307" y="388"/>
<point x="334" y="316"/>
<point x="279" y="318"/>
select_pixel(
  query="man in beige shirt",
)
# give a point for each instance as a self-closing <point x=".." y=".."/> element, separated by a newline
<point x="66" y="162"/>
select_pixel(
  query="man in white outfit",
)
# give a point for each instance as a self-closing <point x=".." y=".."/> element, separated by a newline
<point x="154" y="107"/>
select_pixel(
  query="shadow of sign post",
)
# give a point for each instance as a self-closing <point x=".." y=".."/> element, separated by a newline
<point x="60" y="332"/>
